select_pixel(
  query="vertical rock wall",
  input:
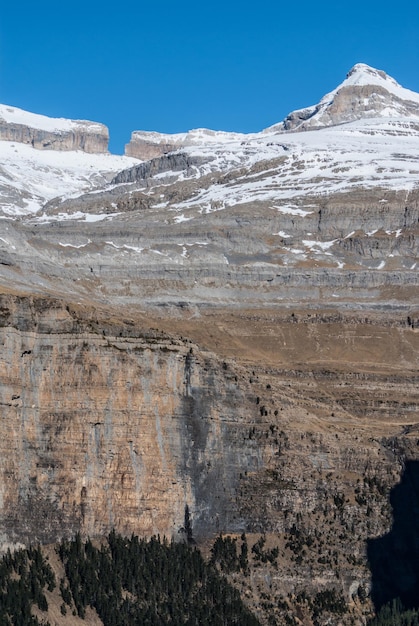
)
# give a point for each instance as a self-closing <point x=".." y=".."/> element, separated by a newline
<point x="85" y="136"/>
<point x="106" y="431"/>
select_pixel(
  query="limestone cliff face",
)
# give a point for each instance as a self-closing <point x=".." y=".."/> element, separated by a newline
<point x="107" y="423"/>
<point x="146" y="145"/>
<point x="149" y="145"/>
<point x="47" y="133"/>
<point x="78" y="139"/>
<point x="102" y="431"/>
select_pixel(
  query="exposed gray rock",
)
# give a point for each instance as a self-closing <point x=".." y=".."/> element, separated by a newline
<point x="366" y="93"/>
<point x="147" y="146"/>
<point x="81" y="139"/>
<point x="46" y="133"/>
<point x="349" y="104"/>
<point x="172" y="162"/>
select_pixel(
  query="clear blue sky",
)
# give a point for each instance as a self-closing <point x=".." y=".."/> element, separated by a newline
<point x="173" y="66"/>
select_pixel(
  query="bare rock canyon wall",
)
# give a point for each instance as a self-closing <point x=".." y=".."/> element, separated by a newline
<point x="107" y="423"/>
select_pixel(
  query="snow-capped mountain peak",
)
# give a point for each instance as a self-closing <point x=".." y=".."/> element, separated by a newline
<point x="362" y="75"/>
<point x="364" y="134"/>
<point x="365" y="93"/>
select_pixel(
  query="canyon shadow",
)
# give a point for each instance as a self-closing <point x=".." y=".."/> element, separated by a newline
<point x="394" y="557"/>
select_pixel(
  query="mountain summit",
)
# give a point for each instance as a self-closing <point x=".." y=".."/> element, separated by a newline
<point x="365" y="93"/>
<point x="366" y="134"/>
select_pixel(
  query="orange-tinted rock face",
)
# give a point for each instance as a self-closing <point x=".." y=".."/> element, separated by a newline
<point x="104" y="431"/>
<point x="299" y="428"/>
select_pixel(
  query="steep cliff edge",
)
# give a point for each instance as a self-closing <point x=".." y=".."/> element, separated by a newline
<point x="147" y="145"/>
<point x="46" y="133"/>
<point x="301" y="422"/>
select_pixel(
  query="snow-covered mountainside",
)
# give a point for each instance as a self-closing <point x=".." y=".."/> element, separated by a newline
<point x="43" y="157"/>
<point x="29" y="177"/>
<point x="329" y="213"/>
<point x="365" y="93"/>
<point x="19" y="117"/>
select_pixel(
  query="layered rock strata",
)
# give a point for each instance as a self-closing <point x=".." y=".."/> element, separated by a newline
<point x="361" y="252"/>
<point x="366" y="93"/>
<point x="149" y="145"/>
<point x="261" y="423"/>
<point x="47" y="133"/>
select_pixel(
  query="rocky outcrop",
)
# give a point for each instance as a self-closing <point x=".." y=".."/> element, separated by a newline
<point x="149" y="145"/>
<point x="349" y="104"/>
<point x="366" y="93"/>
<point x="178" y="162"/>
<point x="146" y="145"/>
<point x="46" y="133"/>
<point x="80" y="138"/>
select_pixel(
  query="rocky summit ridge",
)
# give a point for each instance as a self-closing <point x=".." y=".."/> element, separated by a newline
<point x="228" y="327"/>
<point x="365" y="93"/>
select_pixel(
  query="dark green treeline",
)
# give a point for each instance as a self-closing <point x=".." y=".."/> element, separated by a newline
<point x="127" y="581"/>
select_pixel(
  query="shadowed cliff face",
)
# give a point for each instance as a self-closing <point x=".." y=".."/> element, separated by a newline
<point x="394" y="558"/>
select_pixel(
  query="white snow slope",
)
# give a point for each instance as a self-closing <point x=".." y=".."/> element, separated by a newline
<point x="379" y="150"/>
<point x="14" y="115"/>
<point x="29" y="178"/>
<point x="372" y="153"/>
